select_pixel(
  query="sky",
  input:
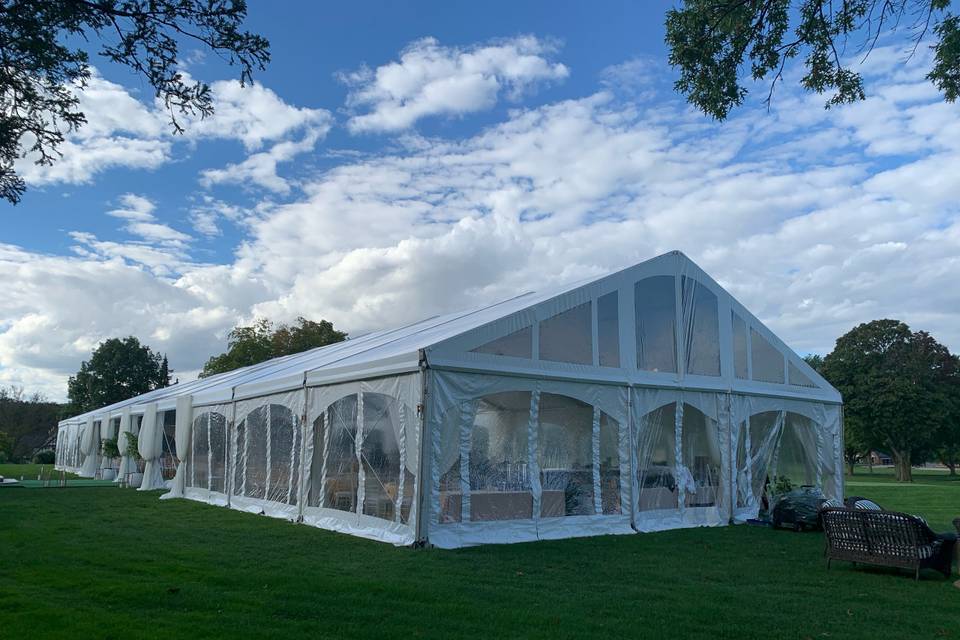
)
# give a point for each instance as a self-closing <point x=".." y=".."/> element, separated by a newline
<point x="398" y="160"/>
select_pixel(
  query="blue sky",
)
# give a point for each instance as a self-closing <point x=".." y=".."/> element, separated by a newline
<point x="313" y="43"/>
<point x="398" y="160"/>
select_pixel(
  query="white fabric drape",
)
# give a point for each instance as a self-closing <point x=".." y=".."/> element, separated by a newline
<point x="127" y="463"/>
<point x="184" y="426"/>
<point x="90" y="448"/>
<point x="150" y="444"/>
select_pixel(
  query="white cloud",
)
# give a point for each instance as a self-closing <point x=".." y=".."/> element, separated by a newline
<point x="164" y="261"/>
<point x="83" y="159"/>
<point x="57" y="309"/>
<point x="431" y="79"/>
<point x="157" y="232"/>
<point x="254" y="114"/>
<point x="809" y="217"/>
<point x="134" y="207"/>
<point x="261" y="168"/>
<point x="207" y="214"/>
<point x="138" y="211"/>
<point x="123" y="131"/>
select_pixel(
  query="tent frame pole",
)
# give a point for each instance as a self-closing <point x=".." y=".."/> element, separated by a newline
<point x="424" y="470"/>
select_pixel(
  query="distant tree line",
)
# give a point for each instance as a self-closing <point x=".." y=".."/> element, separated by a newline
<point x="25" y="423"/>
<point x="901" y="395"/>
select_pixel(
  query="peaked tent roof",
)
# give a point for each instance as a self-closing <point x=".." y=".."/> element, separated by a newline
<point x="443" y="339"/>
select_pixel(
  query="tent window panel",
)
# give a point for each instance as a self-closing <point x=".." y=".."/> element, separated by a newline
<point x="743" y="485"/>
<point x="700" y="445"/>
<point x="240" y="461"/>
<point x="255" y="475"/>
<point x="701" y="328"/>
<point x="565" y="456"/>
<point x="608" y="330"/>
<point x="767" y="359"/>
<point x="409" y="484"/>
<point x="199" y="462"/>
<point x="657" y="459"/>
<point x="609" y="465"/>
<point x="568" y="336"/>
<point x="765" y="429"/>
<point x="218" y="452"/>
<point x="168" y="459"/>
<point x="284" y="455"/>
<point x="797" y="457"/>
<point x="340" y="485"/>
<point x="450" y="493"/>
<point x="411" y="460"/>
<point x="499" y="474"/>
<point x="380" y="455"/>
<point x="448" y="463"/>
<point x="518" y="344"/>
<point x="315" y="490"/>
<point x="739" y="347"/>
<point x="655" y="301"/>
<point x="799" y="378"/>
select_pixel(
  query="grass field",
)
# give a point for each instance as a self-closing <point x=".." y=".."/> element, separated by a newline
<point x="28" y="471"/>
<point x="113" y="563"/>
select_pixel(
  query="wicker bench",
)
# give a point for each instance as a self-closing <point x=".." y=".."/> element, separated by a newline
<point x="885" y="538"/>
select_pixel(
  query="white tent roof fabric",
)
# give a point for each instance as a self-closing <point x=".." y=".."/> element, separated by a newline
<point x="593" y="356"/>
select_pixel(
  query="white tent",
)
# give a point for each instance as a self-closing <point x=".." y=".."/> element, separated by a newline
<point x="644" y="400"/>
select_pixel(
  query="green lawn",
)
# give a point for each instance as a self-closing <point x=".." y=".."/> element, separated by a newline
<point x="106" y="562"/>
<point x="28" y="471"/>
<point x="934" y="494"/>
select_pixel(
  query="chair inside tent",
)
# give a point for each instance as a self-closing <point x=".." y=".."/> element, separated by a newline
<point x="644" y="400"/>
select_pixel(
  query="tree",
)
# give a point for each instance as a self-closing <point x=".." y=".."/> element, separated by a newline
<point x="895" y="385"/>
<point x="247" y="345"/>
<point x="715" y="44"/>
<point x="6" y="447"/>
<point x="25" y="422"/>
<point x="815" y="360"/>
<point x="948" y="439"/>
<point x="948" y="449"/>
<point x="42" y="69"/>
<point x="165" y="371"/>
<point x="120" y="368"/>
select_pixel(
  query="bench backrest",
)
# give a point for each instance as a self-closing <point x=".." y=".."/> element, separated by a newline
<point x="876" y="533"/>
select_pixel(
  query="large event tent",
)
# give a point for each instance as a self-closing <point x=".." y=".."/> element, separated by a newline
<point x="643" y="400"/>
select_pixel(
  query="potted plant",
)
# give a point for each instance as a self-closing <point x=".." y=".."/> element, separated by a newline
<point x="111" y="452"/>
<point x="782" y="485"/>
<point x="132" y="450"/>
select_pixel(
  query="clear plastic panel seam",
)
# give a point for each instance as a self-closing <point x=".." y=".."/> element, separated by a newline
<point x="533" y="464"/>
<point x="358" y="441"/>
<point x="678" y="456"/>
<point x="467" y="416"/>
<point x="595" y="445"/>
<point x="401" y="482"/>
<point x="306" y="431"/>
